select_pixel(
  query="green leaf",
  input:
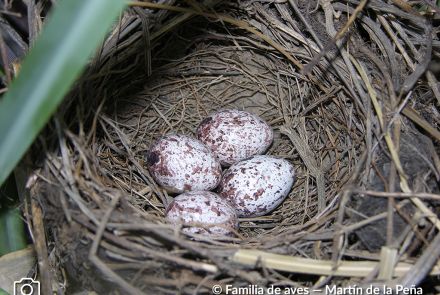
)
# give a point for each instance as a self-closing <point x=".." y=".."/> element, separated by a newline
<point x="12" y="231"/>
<point x="73" y="31"/>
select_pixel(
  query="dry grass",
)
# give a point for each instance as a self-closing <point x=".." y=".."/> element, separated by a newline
<point x="163" y="69"/>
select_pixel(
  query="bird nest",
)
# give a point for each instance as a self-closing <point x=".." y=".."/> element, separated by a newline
<point x="357" y="122"/>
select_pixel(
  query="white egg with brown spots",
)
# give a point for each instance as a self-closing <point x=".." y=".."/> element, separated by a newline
<point x="182" y="163"/>
<point x="233" y="135"/>
<point x="207" y="208"/>
<point x="256" y="186"/>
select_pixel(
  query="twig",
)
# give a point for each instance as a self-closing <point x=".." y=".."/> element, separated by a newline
<point x="329" y="45"/>
<point x="398" y="195"/>
<point x="94" y="251"/>
<point x="232" y="21"/>
<point x="403" y="183"/>
<point x="193" y="73"/>
<point x="163" y="117"/>
<point x="345" y="194"/>
<point x="423" y="265"/>
<point x="195" y="95"/>
<point x="5" y="61"/>
<point x="307" y="156"/>
<point x="316" y="267"/>
<point x="432" y="5"/>
<point x="39" y="235"/>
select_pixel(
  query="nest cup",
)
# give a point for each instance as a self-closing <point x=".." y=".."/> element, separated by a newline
<point x="160" y="72"/>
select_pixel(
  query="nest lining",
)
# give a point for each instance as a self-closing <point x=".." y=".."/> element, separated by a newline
<point x="140" y="89"/>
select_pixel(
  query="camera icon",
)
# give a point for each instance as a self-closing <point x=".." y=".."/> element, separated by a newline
<point x="26" y="286"/>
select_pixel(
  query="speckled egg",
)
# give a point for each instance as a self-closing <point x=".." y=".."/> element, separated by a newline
<point x="257" y="185"/>
<point x="234" y="135"/>
<point x="203" y="207"/>
<point x="182" y="163"/>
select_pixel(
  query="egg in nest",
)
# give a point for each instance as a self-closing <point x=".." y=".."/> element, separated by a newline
<point x="233" y="135"/>
<point x="206" y="208"/>
<point x="182" y="163"/>
<point x="257" y="185"/>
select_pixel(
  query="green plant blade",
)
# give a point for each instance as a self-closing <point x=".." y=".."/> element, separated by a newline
<point x="73" y="31"/>
<point x="12" y="231"/>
